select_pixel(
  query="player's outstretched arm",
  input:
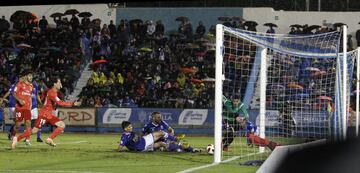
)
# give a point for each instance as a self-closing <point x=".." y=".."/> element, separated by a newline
<point x="171" y="131"/>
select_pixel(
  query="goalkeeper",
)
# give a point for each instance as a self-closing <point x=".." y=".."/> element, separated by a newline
<point x="232" y="121"/>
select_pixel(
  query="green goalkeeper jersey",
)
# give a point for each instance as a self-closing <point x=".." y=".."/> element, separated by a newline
<point x="232" y="112"/>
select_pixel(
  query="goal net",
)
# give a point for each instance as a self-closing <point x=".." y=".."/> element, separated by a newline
<point x="274" y="89"/>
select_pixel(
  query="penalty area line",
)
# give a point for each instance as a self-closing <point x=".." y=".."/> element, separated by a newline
<point x="214" y="164"/>
<point x="54" y="171"/>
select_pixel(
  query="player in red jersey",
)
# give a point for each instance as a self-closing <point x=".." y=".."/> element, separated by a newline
<point x="46" y="113"/>
<point x="22" y="94"/>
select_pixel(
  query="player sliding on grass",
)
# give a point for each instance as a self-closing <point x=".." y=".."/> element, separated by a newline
<point x="157" y="124"/>
<point x="148" y="142"/>
<point x="46" y="113"/>
<point x="233" y="122"/>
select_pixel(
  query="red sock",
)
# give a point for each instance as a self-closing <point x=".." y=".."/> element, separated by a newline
<point x="14" y="131"/>
<point x="256" y="140"/>
<point x="56" y="132"/>
<point x="26" y="134"/>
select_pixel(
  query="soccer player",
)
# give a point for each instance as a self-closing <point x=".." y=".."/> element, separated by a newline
<point x="232" y="121"/>
<point x="254" y="139"/>
<point x="12" y="103"/>
<point x="157" y="124"/>
<point x="148" y="142"/>
<point x="46" y="113"/>
<point x="35" y="98"/>
<point x="22" y="94"/>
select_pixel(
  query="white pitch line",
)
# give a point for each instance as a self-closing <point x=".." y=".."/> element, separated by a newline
<point x="55" y="171"/>
<point x="214" y="164"/>
<point x="64" y="143"/>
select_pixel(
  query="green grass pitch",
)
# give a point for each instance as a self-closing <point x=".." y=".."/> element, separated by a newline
<point x="89" y="152"/>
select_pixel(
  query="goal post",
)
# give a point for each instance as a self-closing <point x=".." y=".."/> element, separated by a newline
<point x="292" y="86"/>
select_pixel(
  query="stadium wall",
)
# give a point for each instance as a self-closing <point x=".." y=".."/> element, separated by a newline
<point x="285" y="18"/>
<point x="261" y="15"/>
<point x="168" y="15"/>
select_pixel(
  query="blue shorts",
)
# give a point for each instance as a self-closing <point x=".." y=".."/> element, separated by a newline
<point x="1" y="116"/>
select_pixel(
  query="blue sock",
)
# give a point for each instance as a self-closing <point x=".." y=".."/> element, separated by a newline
<point x="173" y="147"/>
<point x="38" y="134"/>
<point x="11" y="128"/>
<point x="190" y="149"/>
<point x="169" y="137"/>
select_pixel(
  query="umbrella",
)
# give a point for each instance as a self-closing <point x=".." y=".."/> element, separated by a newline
<point x="197" y="81"/>
<point x="208" y="79"/>
<point x="312" y="27"/>
<point x="339" y="24"/>
<point x="317" y="73"/>
<point x="224" y="18"/>
<point x="276" y="86"/>
<point x="236" y="18"/>
<point x="132" y="22"/>
<point x="312" y="69"/>
<point x="202" y="40"/>
<point x="192" y="46"/>
<point x="302" y="95"/>
<point x="200" y="54"/>
<point x="145" y="49"/>
<point x="71" y="12"/>
<point x="20" y="15"/>
<point x="18" y="36"/>
<point x="296" y="26"/>
<point x="182" y="18"/>
<point x="295" y="86"/>
<point x="85" y="14"/>
<point x="100" y="61"/>
<point x="57" y="14"/>
<point x="250" y="23"/>
<point x="319" y="92"/>
<point x="324" y="98"/>
<point x="188" y="70"/>
<point x="23" y="45"/>
<point x="270" y="25"/>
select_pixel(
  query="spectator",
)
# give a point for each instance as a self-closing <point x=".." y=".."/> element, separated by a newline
<point x="159" y="29"/>
<point x="74" y="22"/>
<point x="43" y="23"/>
<point x="112" y="28"/>
<point x="4" y="25"/>
<point x="200" y="30"/>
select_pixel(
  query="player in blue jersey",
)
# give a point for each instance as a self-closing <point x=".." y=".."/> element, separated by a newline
<point x="12" y="103"/>
<point x="157" y="124"/>
<point x="148" y="142"/>
<point x="35" y="100"/>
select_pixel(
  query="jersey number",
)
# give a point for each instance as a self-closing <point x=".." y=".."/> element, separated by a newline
<point x="42" y="122"/>
<point x="18" y="114"/>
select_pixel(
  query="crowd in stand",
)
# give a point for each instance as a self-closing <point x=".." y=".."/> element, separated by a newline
<point x="47" y="51"/>
<point x="140" y="66"/>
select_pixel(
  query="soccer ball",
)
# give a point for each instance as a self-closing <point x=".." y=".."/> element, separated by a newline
<point x="210" y="149"/>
